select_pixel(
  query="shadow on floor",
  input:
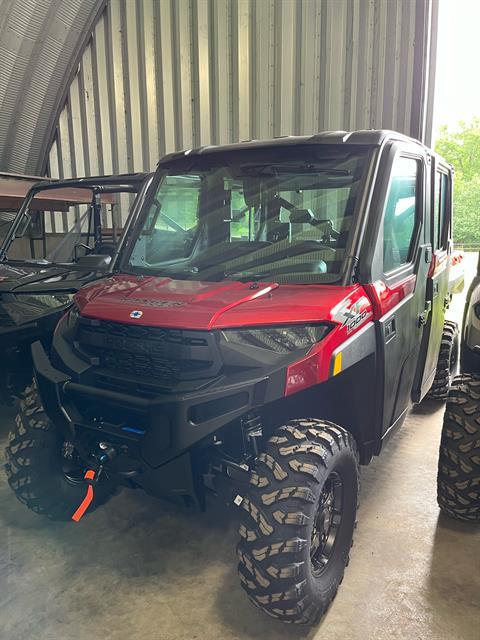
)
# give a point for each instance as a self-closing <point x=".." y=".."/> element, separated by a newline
<point x="455" y="565"/>
<point x="246" y="621"/>
<point x="453" y="590"/>
<point x="428" y="407"/>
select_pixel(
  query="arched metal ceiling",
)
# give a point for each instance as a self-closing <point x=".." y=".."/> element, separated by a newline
<point x="116" y="84"/>
<point x="40" y="45"/>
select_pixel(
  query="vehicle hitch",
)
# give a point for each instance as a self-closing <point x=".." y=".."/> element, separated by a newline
<point x="92" y="476"/>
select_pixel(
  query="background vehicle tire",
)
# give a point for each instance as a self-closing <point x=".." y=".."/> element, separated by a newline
<point x="458" y="484"/>
<point x="469" y="360"/>
<point x="447" y="361"/>
<point x="42" y="469"/>
<point x="298" y="519"/>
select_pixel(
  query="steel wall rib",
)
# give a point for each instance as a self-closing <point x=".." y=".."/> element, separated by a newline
<point x="161" y="75"/>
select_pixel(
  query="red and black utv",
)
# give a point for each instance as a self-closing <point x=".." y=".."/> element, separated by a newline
<point x="273" y="312"/>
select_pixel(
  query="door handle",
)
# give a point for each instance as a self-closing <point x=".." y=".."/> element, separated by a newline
<point x="446" y="301"/>
<point x="390" y="328"/>
<point x="423" y="317"/>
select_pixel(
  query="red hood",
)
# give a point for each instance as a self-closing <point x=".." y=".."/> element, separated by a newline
<point x="187" y="304"/>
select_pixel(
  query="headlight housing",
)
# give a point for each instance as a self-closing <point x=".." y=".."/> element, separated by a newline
<point x="73" y="316"/>
<point x="278" y="339"/>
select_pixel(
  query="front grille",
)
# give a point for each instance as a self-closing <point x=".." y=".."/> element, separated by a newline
<point x="157" y="355"/>
<point x="151" y="366"/>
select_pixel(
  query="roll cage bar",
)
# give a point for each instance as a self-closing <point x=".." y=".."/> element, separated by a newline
<point x="71" y="192"/>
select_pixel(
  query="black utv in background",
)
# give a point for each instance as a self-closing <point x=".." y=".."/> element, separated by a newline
<point x="64" y="235"/>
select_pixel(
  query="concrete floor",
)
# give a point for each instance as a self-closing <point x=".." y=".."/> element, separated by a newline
<point x="139" y="568"/>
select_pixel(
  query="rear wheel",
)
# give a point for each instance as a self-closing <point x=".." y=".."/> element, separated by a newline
<point x="298" y="520"/>
<point x="458" y="485"/>
<point x="447" y="361"/>
<point x="42" y="467"/>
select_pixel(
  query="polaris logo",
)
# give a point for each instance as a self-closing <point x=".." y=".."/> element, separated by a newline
<point x="153" y="303"/>
<point x="136" y="314"/>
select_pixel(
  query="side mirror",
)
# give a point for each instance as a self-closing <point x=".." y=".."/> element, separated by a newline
<point x="23" y="226"/>
<point x="94" y="261"/>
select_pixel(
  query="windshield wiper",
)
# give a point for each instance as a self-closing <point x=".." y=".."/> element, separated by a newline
<point x="164" y="272"/>
<point x="248" y="275"/>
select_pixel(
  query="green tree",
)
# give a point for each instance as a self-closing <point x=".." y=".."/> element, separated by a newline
<point x="461" y="148"/>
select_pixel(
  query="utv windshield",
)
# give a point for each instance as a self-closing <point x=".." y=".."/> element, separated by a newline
<point x="61" y="223"/>
<point x="287" y="218"/>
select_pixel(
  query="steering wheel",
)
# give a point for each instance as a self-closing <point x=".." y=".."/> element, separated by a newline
<point x="83" y="246"/>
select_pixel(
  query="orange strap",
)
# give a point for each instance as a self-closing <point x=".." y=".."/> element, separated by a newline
<point x="86" y="502"/>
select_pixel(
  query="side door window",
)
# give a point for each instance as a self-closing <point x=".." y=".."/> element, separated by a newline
<point x="405" y="281"/>
<point x="400" y="221"/>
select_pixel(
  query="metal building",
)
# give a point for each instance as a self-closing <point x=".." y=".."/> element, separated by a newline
<point x="120" y="83"/>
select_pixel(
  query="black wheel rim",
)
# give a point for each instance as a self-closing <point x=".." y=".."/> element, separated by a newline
<point x="328" y="519"/>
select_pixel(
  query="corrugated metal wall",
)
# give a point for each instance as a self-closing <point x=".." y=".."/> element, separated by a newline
<point x="40" y="43"/>
<point x="161" y="75"/>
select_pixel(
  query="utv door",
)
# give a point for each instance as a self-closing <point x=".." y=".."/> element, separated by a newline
<point x="404" y="258"/>
<point x="438" y="295"/>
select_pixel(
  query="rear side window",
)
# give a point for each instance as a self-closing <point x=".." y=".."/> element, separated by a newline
<point x="440" y="213"/>
<point x="400" y="214"/>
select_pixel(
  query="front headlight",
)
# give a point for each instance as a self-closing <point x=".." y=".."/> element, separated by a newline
<point x="52" y="301"/>
<point x="278" y="339"/>
<point x="73" y="316"/>
<point x="27" y="307"/>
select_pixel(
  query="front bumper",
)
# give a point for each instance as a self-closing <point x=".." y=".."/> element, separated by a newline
<point x="157" y="429"/>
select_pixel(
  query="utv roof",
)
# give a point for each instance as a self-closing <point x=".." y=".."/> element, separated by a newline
<point x="368" y="137"/>
<point x="15" y="188"/>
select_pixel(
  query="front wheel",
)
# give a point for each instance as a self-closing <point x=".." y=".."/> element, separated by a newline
<point x="42" y="467"/>
<point x="298" y="520"/>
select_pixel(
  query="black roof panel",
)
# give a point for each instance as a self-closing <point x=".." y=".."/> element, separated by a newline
<point x="369" y="137"/>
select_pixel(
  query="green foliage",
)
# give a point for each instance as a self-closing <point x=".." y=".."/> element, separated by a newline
<point x="462" y="149"/>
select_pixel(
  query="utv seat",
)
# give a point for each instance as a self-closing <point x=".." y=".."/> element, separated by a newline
<point x="297" y="220"/>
